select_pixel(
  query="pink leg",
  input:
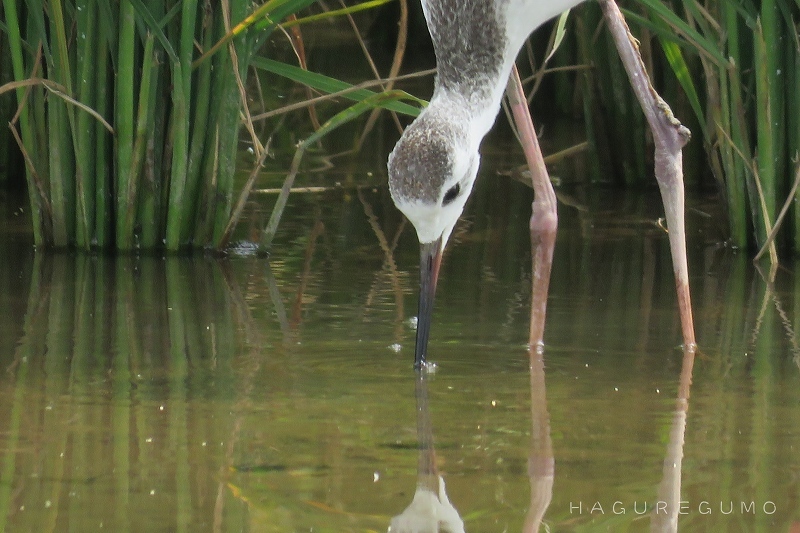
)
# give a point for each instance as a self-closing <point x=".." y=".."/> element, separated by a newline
<point x="669" y="137"/>
<point x="544" y="218"/>
<point x="544" y="222"/>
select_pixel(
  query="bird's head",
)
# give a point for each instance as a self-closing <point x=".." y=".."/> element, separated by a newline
<point x="431" y="173"/>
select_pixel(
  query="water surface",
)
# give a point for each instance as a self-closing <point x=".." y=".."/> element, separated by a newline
<point x="239" y="394"/>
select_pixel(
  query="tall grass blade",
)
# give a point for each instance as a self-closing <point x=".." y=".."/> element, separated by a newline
<point x="142" y="128"/>
<point x="124" y="124"/>
<point x="155" y="27"/>
<point x="41" y="227"/>
<point x="678" y="64"/>
<point x="331" y="85"/>
<point x="179" y="123"/>
<point x="61" y="122"/>
<point x="272" y="12"/>
<point x="85" y="153"/>
<point x="327" y="15"/>
<point x="698" y="41"/>
<point x="201" y="138"/>
<point x="229" y="103"/>
<point x="766" y="136"/>
<point x="793" y="114"/>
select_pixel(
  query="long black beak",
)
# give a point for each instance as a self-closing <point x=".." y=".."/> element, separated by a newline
<point x="430" y="258"/>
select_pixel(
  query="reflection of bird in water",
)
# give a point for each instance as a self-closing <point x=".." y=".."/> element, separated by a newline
<point x="433" y="166"/>
<point x="430" y="511"/>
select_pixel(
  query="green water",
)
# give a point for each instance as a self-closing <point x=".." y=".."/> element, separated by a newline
<point x="236" y="394"/>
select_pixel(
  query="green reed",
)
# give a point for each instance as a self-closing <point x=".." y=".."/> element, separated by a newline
<point x="731" y="71"/>
<point x="130" y="111"/>
<point x="130" y="115"/>
<point x="745" y="57"/>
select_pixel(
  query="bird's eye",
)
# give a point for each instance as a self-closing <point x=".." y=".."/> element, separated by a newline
<point x="451" y="194"/>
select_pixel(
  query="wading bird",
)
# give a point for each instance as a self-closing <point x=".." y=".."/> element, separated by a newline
<point x="433" y="166"/>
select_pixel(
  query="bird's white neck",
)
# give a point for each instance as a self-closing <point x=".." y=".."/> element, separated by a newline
<point x="479" y="109"/>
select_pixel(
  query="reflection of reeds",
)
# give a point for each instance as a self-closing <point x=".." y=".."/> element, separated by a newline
<point x="92" y="418"/>
<point x="389" y="266"/>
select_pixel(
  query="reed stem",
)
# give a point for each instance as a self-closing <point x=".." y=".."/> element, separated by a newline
<point x="15" y="44"/>
<point x="124" y="126"/>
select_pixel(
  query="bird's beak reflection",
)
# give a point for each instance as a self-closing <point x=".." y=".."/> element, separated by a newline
<point x="429" y="261"/>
